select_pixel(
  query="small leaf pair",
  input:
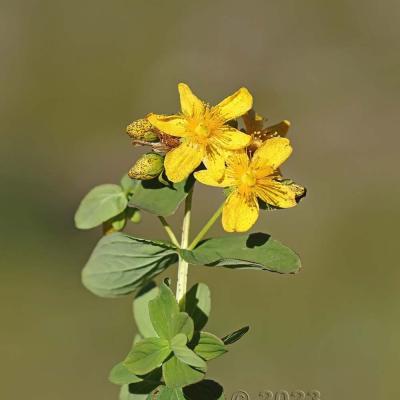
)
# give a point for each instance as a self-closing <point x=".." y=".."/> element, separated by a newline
<point x="120" y="264"/>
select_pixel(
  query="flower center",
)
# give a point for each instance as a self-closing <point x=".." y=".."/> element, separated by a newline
<point x="202" y="131"/>
<point x="248" y="179"/>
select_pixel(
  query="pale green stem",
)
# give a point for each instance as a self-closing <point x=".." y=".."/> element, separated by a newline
<point x="206" y="228"/>
<point x="169" y="231"/>
<point x="183" y="265"/>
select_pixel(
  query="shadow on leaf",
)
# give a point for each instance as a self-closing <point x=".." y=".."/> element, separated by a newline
<point x="257" y="239"/>
<point x="151" y="382"/>
<point x="203" y="390"/>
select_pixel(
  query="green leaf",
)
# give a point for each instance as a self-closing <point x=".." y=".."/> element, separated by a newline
<point x="147" y="355"/>
<point x="179" y="340"/>
<point x="120" y="375"/>
<point x="177" y="374"/>
<point x="124" y="394"/>
<point x="167" y="393"/>
<point x="182" y="323"/>
<point x="137" y="338"/>
<point x="245" y="251"/>
<point x="235" y="336"/>
<point x="156" y="198"/>
<point x="99" y="205"/>
<point x="204" y="390"/>
<point x="120" y="264"/>
<point x="163" y="309"/>
<point x="187" y="356"/>
<point x="197" y="303"/>
<point x="128" y="184"/>
<point x="165" y="316"/>
<point x="141" y="309"/>
<point x="209" y="346"/>
<point x="184" y="354"/>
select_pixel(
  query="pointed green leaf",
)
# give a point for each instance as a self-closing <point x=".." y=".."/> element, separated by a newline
<point x="147" y="355"/>
<point x="245" y="251"/>
<point x="165" y="316"/>
<point x="235" y="336"/>
<point x="179" y="340"/>
<point x="187" y="356"/>
<point x="209" y="346"/>
<point x="99" y="205"/>
<point x="204" y="390"/>
<point x="163" y="309"/>
<point x="141" y="309"/>
<point x="182" y="323"/>
<point x="177" y="374"/>
<point x="120" y="264"/>
<point x="156" y="198"/>
<point x="184" y="354"/>
<point x="120" y="375"/>
<point x="197" y="303"/>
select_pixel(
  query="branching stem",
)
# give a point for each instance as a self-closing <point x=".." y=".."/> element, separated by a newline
<point x="206" y="228"/>
<point x="169" y="231"/>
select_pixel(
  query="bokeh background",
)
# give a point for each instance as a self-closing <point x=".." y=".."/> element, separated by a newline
<point x="75" y="73"/>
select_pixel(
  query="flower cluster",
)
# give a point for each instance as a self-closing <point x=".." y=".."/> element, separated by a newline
<point x="205" y="140"/>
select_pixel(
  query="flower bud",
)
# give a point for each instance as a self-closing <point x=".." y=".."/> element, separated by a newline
<point x="148" y="166"/>
<point x="133" y="215"/>
<point x="142" y="130"/>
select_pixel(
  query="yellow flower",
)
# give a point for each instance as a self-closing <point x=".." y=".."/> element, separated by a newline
<point x="205" y="136"/>
<point x="254" y="124"/>
<point x="250" y="180"/>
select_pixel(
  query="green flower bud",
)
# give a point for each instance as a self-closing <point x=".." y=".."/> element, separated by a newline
<point x="148" y="166"/>
<point x="133" y="215"/>
<point x="142" y="130"/>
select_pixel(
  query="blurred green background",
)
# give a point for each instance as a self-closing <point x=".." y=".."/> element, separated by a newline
<point x="75" y="73"/>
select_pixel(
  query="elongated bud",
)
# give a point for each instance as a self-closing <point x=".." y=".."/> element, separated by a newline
<point x="142" y="130"/>
<point x="148" y="166"/>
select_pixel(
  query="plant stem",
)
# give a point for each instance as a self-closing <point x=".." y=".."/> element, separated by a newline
<point x="169" y="231"/>
<point x="183" y="265"/>
<point x="206" y="228"/>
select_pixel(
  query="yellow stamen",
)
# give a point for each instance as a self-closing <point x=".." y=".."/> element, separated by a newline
<point x="248" y="179"/>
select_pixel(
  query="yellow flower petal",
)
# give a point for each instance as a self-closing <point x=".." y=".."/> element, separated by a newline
<point x="272" y="153"/>
<point x="238" y="162"/>
<point x="190" y="104"/>
<point x="277" y="194"/>
<point x="214" y="161"/>
<point x="231" y="139"/>
<point x="174" y="125"/>
<point x="235" y="105"/>
<point x="183" y="160"/>
<point x="207" y="177"/>
<point x="240" y="212"/>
